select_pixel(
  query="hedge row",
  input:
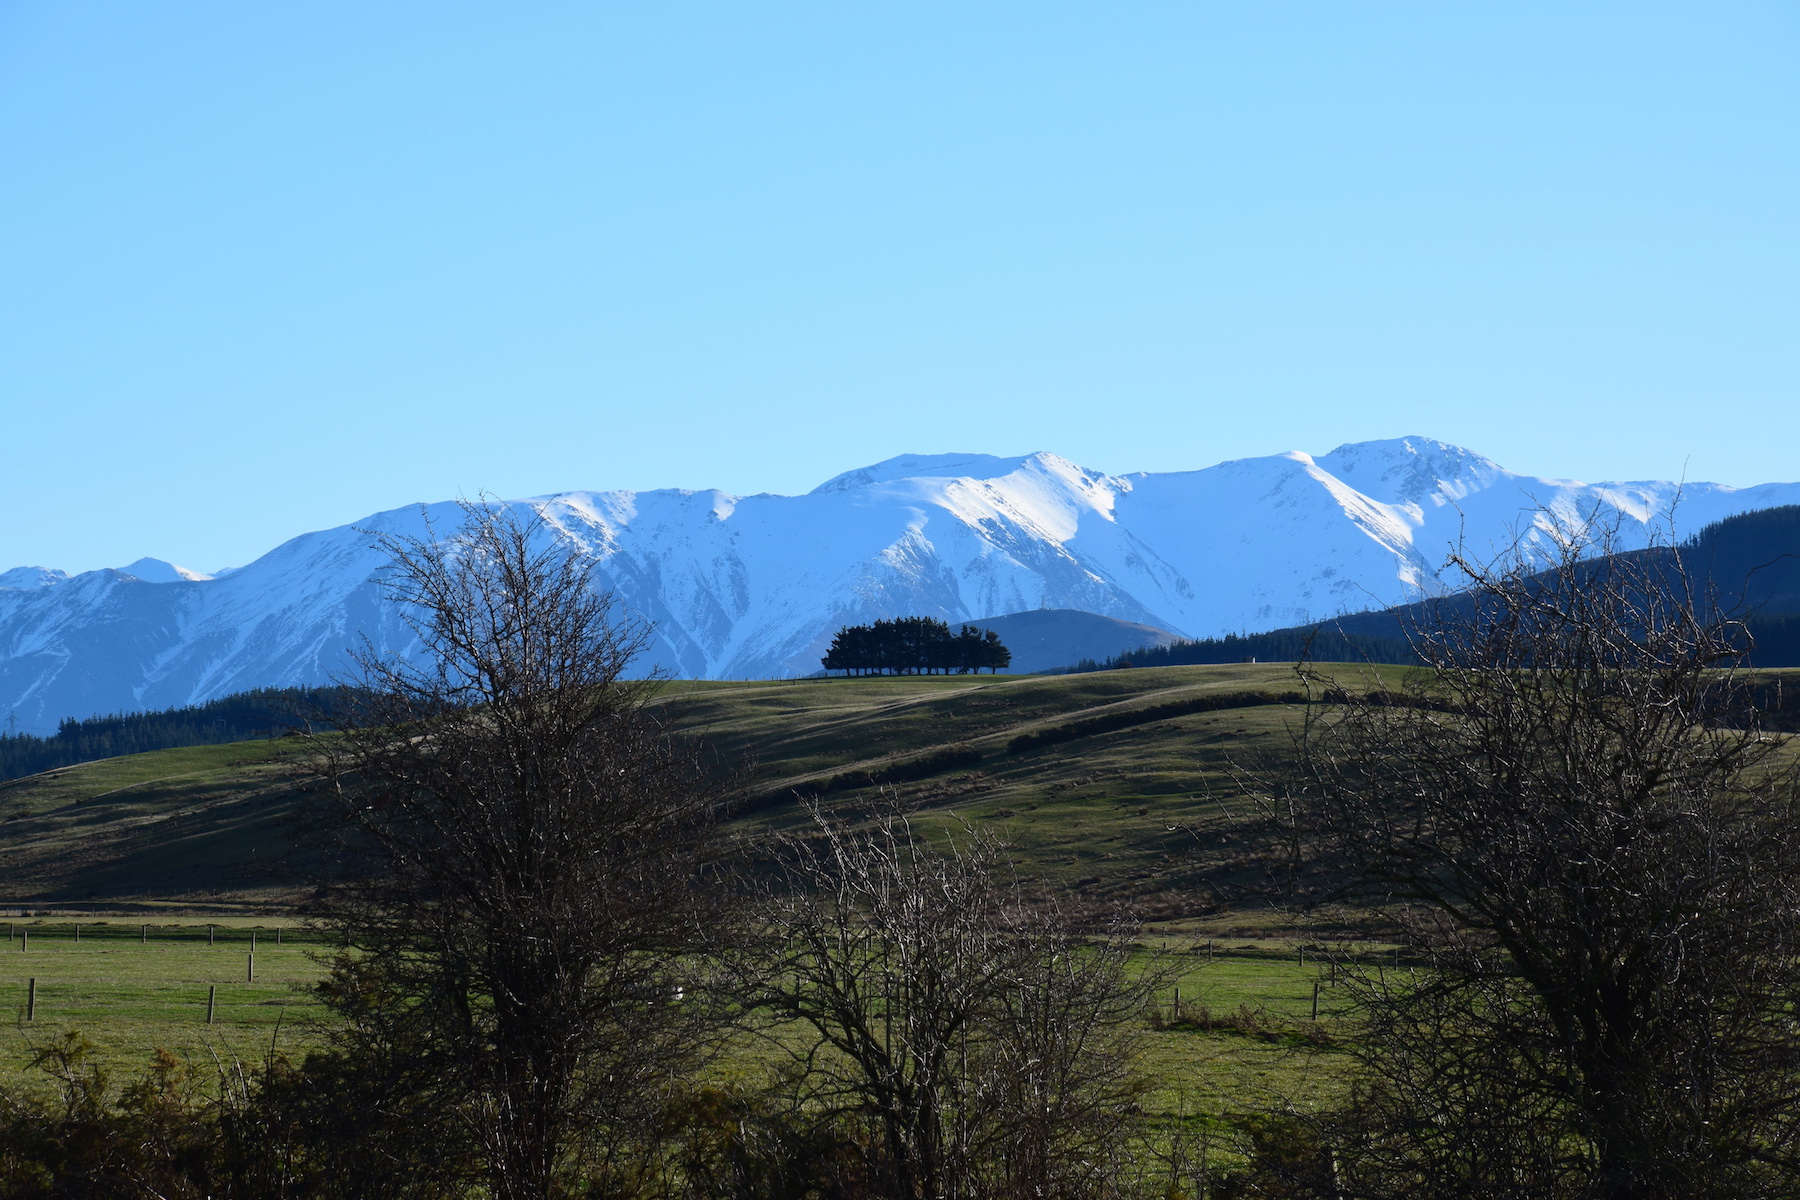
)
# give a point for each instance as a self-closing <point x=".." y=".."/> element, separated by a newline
<point x="1144" y="716"/>
<point x="900" y="772"/>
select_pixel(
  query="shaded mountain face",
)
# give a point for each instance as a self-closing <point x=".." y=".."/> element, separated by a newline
<point x="754" y="586"/>
<point x="1746" y="567"/>
<point x="1057" y="637"/>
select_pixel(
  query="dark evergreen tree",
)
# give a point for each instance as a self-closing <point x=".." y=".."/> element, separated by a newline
<point x="852" y="651"/>
<point x="970" y="649"/>
<point x="995" y="656"/>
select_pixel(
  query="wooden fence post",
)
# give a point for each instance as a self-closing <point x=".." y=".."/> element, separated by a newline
<point x="31" y="999"/>
<point x="1315" y="1015"/>
<point x="209" y="935"/>
<point x="250" y="967"/>
<point x="144" y="935"/>
<point x="212" y="995"/>
<point x="78" y="931"/>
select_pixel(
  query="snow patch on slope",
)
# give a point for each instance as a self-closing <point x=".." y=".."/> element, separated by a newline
<point x="31" y="577"/>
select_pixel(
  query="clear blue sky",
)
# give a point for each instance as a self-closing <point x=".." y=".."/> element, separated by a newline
<point x="268" y="267"/>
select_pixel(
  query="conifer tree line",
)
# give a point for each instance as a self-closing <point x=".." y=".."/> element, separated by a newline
<point x="915" y="646"/>
<point x="259" y="713"/>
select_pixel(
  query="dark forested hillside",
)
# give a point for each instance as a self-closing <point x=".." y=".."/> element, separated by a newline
<point x="1050" y="640"/>
<point x="265" y="712"/>
<point x="1319" y="643"/>
<point x="1748" y="564"/>
<point x="1752" y="559"/>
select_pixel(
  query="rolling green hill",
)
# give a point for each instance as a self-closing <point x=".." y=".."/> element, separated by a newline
<point x="1119" y="783"/>
<point x="1144" y="806"/>
<point x="193" y="826"/>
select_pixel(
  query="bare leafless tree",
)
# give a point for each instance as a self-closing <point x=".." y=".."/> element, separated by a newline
<point x="1596" y="849"/>
<point x="1061" y="1076"/>
<point x="974" y="1042"/>
<point x="527" y="837"/>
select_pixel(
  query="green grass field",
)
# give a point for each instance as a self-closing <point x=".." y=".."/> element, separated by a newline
<point x="1151" y="811"/>
<point x="1151" y="815"/>
<point x="192" y="829"/>
<point x="129" y="997"/>
<point x="1133" y="812"/>
<point x="1148" y="814"/>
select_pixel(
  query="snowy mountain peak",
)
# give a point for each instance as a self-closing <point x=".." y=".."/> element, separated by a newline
<point x="1411" y="470"/>
<point x="754" y="586"/>
<point x="31" y="577"/>
<point x="155" y="570"/>
<point x="925" y="466"/>
<point x="1057" y="467"/>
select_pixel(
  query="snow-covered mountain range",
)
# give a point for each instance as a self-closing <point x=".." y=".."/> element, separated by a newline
<point x="753" y="586"/>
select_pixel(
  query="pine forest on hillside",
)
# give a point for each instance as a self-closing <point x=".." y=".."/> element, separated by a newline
<point x="261" y="713"/>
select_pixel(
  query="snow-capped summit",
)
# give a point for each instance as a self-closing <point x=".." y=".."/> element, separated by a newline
<point x="1412" y="470"/>
<point x="754" y="586"/>
<point x="922" y="466"/>
<point x="31" y="577"/>
<point x="155" y="570"/>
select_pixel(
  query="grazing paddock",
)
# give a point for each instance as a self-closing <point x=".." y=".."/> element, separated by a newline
<point x="130" y="995"/>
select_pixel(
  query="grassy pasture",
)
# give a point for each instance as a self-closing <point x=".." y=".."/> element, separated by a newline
<point x="198" y="826"/>
<point x="1149" y="813"/>
<point x="130" y="997"/>
<point x="1131" y="812"/>
<point x="1143" y="811"/>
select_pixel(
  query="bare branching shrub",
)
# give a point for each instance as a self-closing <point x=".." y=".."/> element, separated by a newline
<point x="968" y="1042"/>
<point x="1600" y="849"/>
<point x="528" y="838"/>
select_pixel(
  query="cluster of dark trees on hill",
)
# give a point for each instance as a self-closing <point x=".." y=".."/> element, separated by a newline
<point x="915" y="646"/>
<point x="264" y="712"/>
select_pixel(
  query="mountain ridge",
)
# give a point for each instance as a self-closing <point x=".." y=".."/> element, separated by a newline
<point x="753" y="586"/>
